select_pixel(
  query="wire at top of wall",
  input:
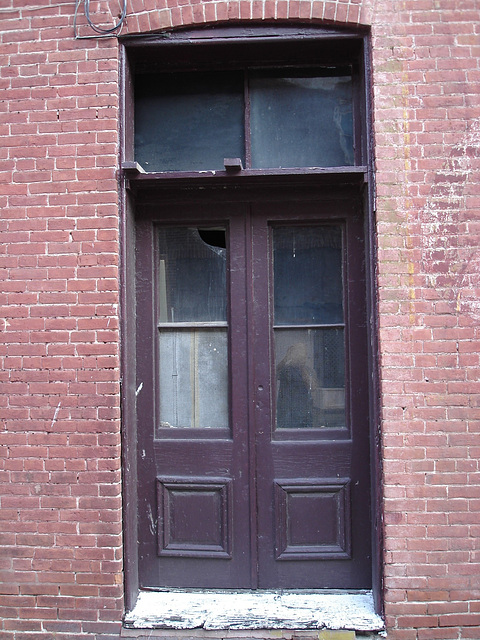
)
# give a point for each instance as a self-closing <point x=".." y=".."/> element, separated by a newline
<point x="101" y="32"/>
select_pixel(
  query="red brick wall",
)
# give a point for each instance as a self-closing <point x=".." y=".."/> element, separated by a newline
<point x="60" y="493"/>
<point x="427" y="97"/>
<point x="60" y="504"/>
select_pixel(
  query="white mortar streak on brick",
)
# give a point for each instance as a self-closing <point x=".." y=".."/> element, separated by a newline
<point x="254" y="610"/>
<point x="444" y="206"/>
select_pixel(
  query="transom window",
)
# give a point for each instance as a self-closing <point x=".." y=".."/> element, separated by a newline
<point x="192" y="121"/>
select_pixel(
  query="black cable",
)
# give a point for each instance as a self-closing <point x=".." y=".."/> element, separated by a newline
<point x="103" y="32"/>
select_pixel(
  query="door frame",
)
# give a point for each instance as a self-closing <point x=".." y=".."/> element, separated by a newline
<point x="135" y="188"/>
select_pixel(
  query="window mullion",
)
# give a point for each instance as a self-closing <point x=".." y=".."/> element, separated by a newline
<point x="248" y="141"/>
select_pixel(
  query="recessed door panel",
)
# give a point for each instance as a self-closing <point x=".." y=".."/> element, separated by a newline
<point x="313" y="519"/>
<point x="193" y="517"/>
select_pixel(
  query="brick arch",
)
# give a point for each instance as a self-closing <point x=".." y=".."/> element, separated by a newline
<point x="168" y="14"/>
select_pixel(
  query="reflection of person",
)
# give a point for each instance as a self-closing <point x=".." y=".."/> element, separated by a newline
<point x="295" y="384"/>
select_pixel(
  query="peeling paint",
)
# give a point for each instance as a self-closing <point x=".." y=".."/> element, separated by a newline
<point x="56" y="414"/>
<point x="152" y="524"/>
<point x="254" y="610"/>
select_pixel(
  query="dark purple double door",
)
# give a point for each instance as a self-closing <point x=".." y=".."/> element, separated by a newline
<point x="252" y="396"/>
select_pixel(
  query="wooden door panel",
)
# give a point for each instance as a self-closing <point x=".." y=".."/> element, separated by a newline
<point x="316" y="458"/>
<point x="312" y="519"/>
<point x="194" y="518"/>
<point x="188" y="457"/>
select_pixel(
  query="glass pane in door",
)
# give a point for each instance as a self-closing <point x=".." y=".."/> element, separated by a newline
<point x="309" y="327"/>
<point x="310" y="378"/>
<point x="192" y="356"/>
<point x="191" y="275"/>
<point x="193" y="378"/>
<point x="308" y="286"/>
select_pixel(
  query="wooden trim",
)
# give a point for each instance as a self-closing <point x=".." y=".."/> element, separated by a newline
<point x="237" y="47"/>
<point x="128" y="408"/>
<point x="374" y="352"/>
<point x="137" y="173"/>
<point x="127" y="111"/>
<point x="144" y="183"/>
<point x="127" y="349"/>
<point x="244" y="32"/>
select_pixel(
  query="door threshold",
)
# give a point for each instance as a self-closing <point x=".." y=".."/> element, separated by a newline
<point x="285" y="609"/>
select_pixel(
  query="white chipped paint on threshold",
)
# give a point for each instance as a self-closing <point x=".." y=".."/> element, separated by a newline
<point x="212" y="610"/>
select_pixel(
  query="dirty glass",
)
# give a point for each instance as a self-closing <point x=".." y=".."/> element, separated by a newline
<point x="189" y="121"/>
<point x="301" y="121"/>
<point x="192" y="275"/>
<point x="193" y="378"/>
<point x="192" y="342"/>
<point x="308" y="327"/>
<point x="308" y="275"/>
<point x="310" y="378"/>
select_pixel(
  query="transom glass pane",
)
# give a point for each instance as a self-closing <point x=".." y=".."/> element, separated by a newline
<point x="308" y="327"/>
<point x="188" y="121"/>
<point x="193" y="339"/>
<point x="301" y="121"/>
